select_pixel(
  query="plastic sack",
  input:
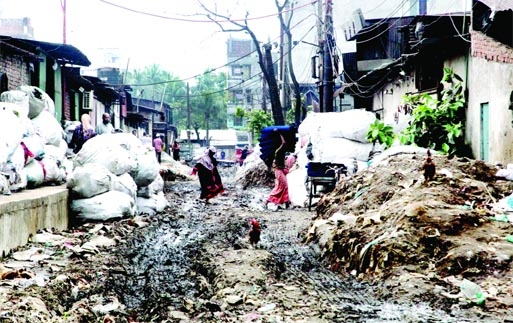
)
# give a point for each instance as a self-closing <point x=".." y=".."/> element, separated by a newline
<point x="35" y="174"/>
<point x="19" y="98"/>
<point x="11" y="131"/>
<point x="39" y="101"/>
<point x="102" y="207"/>
<point x="49" y="128"/>
<point x="126" y="184"/>
<point x="147" y="168"/>
<point x="89" y="181"/>
<point x="154" y="204"/>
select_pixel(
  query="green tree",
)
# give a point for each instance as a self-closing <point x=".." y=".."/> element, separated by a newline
<point x="438" y="124"/>
<point x="208" y="102"/>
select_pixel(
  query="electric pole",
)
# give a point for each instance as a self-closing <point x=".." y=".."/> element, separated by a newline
<point x="63" y="6"/>
<point x="328" y="84"/>
<point x="189" y="123"/>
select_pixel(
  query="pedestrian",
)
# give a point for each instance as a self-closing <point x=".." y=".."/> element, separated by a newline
<point x="176" y="150"/>
<point x="209" y="178"/>
<point x="146" y="140"/>
<point x="105" y="126"/>
<point x="83" y="132"/>
<point x="158" y="144"/>
<point x="244" y="154"/>
<point x="280" y="193"/>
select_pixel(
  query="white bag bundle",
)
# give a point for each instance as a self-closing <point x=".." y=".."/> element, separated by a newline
<point x="105" y="151"/>
<point x="147" y="168"/>
<point x="49" y="128"/>
<point x="89" y="181"/>
<point x="155" y="203"/>
<point x="35" y="145"/>
<point x="39" y="101"/>
<point x="105" y="206"/>
<point x="337" y="150"/>
<point x="19" y="98"/>
<point x="11" y="131"/>
<point x="35" y="174"/>
<point x="56" y="152"/>
<point x="126" y="184"/>
<point x="54" y="173"/>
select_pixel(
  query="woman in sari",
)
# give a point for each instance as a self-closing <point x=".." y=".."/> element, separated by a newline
<point x="210" y="181"/>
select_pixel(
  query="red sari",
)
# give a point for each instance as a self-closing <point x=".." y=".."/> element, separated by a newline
<point x="280" y="192"/>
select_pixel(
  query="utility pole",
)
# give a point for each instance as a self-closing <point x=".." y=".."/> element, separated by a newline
<point x="328" y="84"/>
<point x="63" y="6"/>
<point x="321" y="55"/>
<point x="189" y="123"/>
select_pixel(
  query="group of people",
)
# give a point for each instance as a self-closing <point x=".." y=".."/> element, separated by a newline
<point x="211" y="183"/>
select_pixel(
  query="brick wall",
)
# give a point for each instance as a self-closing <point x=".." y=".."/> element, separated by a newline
<point x="16" y="69"/>
<point x="490" y="49"/>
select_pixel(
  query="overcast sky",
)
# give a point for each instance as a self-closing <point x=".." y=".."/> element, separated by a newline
<point x="184" y="48"/>
<point x="181" y="47"/>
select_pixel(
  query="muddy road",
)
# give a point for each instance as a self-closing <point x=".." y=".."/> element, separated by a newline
<point x="194" y="263"/>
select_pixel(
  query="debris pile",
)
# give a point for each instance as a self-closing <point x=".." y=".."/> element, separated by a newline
<point x="387" y="221"/>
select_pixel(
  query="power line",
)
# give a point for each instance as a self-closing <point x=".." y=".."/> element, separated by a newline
<point x="197" y="20"/>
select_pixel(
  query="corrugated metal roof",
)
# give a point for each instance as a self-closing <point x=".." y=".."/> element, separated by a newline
<point x="498" y="5"/>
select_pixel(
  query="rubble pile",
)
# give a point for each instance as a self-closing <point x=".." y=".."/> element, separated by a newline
<point x="386" y="221"/>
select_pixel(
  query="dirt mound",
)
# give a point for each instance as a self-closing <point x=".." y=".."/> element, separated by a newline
<point x="386" y="220"/>
<point x="256" y="175"/>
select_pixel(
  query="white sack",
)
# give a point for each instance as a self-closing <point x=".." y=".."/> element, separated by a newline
<point x="35" y="145"/>
<point x="35" y="174"/>
<point x="57" y="152"/>
<point x="298" y="193"/>
<point x="126" y="184"/>
<point x="53" y="172"/>
<point x="156" y="203"/>
<point x="350" y="124"/>
<point x="336" y="150"/>
<point x="49" y="128"/>
<point x="147" y="168"/>
<point x="11" y="131"/>
<point x="109" y="205"/>
<point x="89" y="181"/>
<point x="104" y="150"/>
<point x="39" y="101"/>
<point x="19" y="98"/>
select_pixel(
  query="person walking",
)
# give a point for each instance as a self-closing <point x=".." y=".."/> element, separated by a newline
<point x="105" y="126"/>
<point x="280" y="193"/>
<point x="176" y="150"/>
<point x="158" y="145"/>
<point x="83" y="132"/>
<point x="208" y="175"/>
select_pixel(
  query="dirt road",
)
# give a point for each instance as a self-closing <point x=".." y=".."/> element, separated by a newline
<point x="193" y="263"/>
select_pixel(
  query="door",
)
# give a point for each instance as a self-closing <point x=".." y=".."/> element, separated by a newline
<point x="485" y="137"/>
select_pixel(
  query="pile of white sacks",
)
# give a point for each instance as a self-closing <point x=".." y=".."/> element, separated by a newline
<point x="115" y="176"/>
<point x="32" y="148"/>
<point x="335" y="137"/>
<point x="112" y="176"/>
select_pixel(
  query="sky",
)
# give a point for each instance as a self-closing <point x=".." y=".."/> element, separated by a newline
<point x="176" y="35"/>
<point x="184" y="48"/>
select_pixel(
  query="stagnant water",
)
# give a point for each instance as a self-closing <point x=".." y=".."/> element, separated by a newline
<point x="163" y="261"/>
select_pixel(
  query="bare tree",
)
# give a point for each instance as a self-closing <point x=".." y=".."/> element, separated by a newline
<point x="267" y="69"/>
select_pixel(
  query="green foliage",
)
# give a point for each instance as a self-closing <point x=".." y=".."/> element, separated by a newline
<point x="381" y="133"/>
<point x="438" y="124"/>
<point x="239" y="112"/>
<point x="257" y="120"/>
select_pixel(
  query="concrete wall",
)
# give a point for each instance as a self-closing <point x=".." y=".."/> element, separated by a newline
<point x="490" y="82"/>
<point x="22" y="214"/>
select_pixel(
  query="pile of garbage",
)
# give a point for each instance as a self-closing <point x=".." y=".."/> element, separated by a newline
<point x="32" y="145"/>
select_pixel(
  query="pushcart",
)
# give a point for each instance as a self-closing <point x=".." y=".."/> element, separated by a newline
<point x="323" y="175"/>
